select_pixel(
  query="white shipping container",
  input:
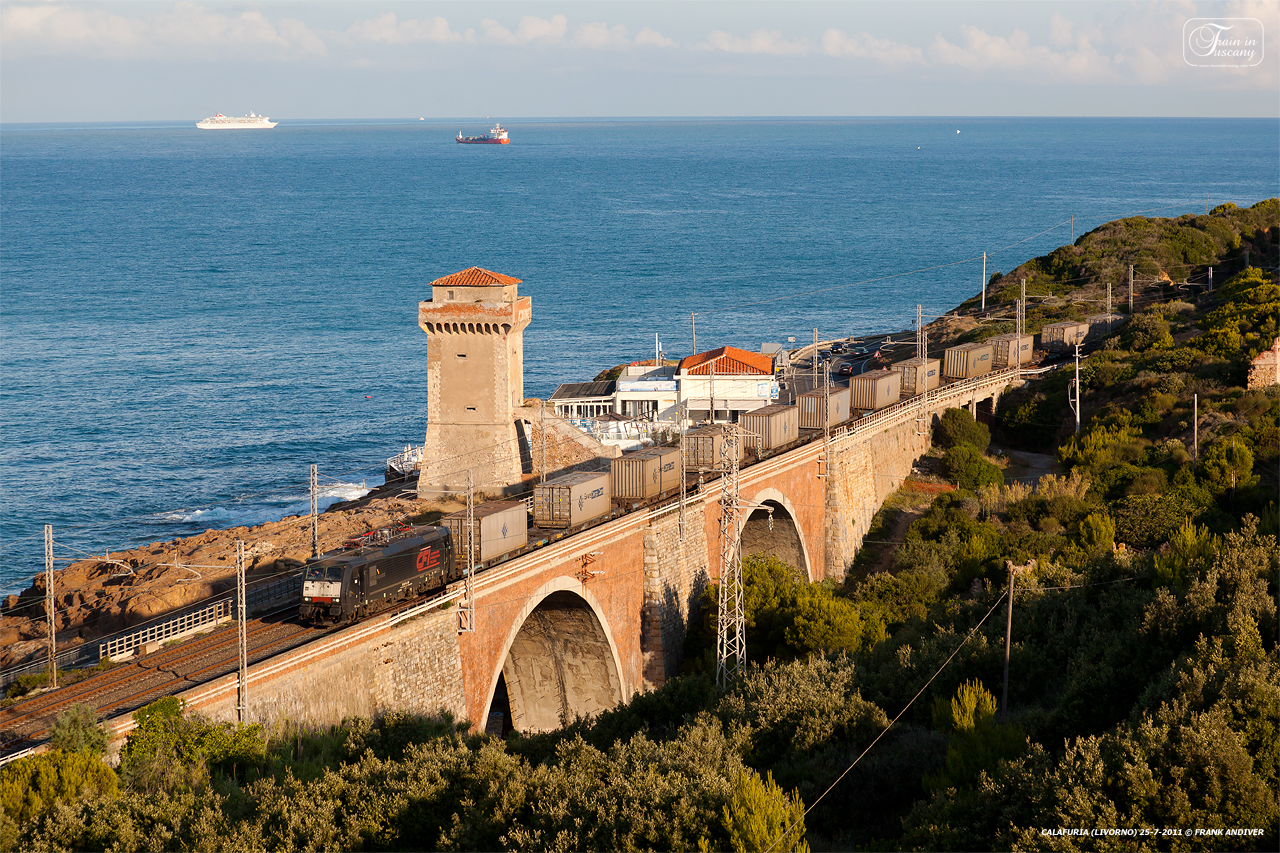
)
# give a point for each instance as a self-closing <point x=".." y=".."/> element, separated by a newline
<point x="811" y="403"/>
<point x="770" y="427"/>
<point x="967" y="361"/>
<point x="1011" y="350"/>
<point x="1059" y="337"/>
<point x="919" y="374"/>
<point x="571" y="500"/>
<point x="875" y="390"/>
<point x="645" y="473"/>
<point x="500" y="526"/>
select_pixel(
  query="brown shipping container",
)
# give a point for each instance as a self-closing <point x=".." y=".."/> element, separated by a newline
<point x="571" y="500"/>
<point x="1057" y="337"/>
<point x="811" y="403"/>
<point x="919" y="374"/>
<point x="875" y="390"/>
<point x="500" y="526"/>
<point x="1011" y="350"/>
<point x="702" y="448"/>
<point x="1101" y="325"/>
<point x="967" y="361"/>
<point x="770" y="427"/>
<point x="644" y="473"/>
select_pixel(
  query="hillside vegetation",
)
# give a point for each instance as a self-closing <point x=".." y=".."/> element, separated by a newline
<point x="1144" y="675"/>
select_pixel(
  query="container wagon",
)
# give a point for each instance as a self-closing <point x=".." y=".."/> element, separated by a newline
<point x="644" y="474"/>
<point x="967" y="361"/>
<point x="1061" y="337"/>
<point x="875" y="390"/>
<point x="769" y="428"/>
<point x="1011" y="350"/>
<point x="1102" y="325"/>
<point x="571" y="500"/>
<point x="918" y="374"/>
<point x="702" y="448"/>
<point x="499" y="527"/>
<point x="834" y="399"/>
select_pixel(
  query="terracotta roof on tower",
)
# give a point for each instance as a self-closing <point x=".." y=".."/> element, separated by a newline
<point x="475" y="277"/>
<point x="728" y="360"/>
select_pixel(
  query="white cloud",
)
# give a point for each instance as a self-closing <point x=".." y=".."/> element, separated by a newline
<point x="600" y="36"/>
<point x="985" y="52"/>
<point x="759" y="42"/>
<point x="386" y="28"/>
<point x="837" y="43"/>
<point x="653" y="38"/>
<point x="188" y="29"/>
<point x="529" y="30"/>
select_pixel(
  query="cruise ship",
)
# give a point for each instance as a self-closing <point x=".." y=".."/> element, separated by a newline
<point x="249" y="122"/>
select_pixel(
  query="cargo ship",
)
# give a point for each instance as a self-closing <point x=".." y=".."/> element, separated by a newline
<point x="496" y="136"/>
<point x="249" y="122"/>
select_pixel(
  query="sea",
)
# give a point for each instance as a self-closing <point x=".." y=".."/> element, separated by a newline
<point x="190" y="319"/>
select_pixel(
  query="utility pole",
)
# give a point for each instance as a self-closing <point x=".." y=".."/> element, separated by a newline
<point x="920" y="342"/>
<point x="1008" y="635"/>
<point x="467" y="610"/>
<point x="542" y="439"/>
<point x="984" y="281"/>
<point x="693" y="323"/>
<point x="1077" y="388"/>
<point x="1109" y="320"/>
<point x="1073" y="229"/>
<point x="1023" y="303"/>
<point x="824" y="462"/>
<point x="315" y="515"/>
<point x="1131" y="289"/>
<point x="814" y="361"/>
<point x="684" y="428"/>
<point x="731" y="635"/>
<point x="1195" y="427"/>
<point x="51" y="621"/>
<point x="242" y="693"/>
<point x="1211" y="279"/>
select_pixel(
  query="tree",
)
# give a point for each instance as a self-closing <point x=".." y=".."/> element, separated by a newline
<point x="762" y="816"/>
<point x="977" y="742"/>
<point x="957" y="426"/>
<point x="31" y="785"/>
<point x="1228" y="465"/>
<point x="1097" y="534"/>
<point x="77" y="730"/>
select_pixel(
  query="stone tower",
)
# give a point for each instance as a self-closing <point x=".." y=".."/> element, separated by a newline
<point x="475" y="325"/>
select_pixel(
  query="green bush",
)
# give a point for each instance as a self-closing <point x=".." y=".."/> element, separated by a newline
<point x="31" y="785"/>
<point x="956" y="427"/>
<point x="77" y="730"/>
<point x="969" y="469"/>
<point x="762" y="816"/>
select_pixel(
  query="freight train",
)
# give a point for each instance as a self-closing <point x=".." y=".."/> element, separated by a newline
<point x="391" y="565"/>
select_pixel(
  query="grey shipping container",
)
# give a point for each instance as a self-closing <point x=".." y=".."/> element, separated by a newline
<point x="1059" y="337"/>
<point x="702" y="448"/>
<point x="875" y="389"/>
<point x="645" y="473"/>
<point x="919" y="374"/>
<point x="500" y="526"/>
<point x="571" y="500"/>
<point x="811" y="403"/>
<point x="770" y="427"/>
<point x="967" y="361"/>
<point x="1011" y="350"/>
<point x="1101" y="325"/>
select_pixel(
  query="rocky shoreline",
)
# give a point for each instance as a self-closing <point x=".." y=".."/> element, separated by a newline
<point x="99" y="596"/>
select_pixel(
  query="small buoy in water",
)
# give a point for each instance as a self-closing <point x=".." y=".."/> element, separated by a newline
<point x="367" y="397"/>
<point x="957" y="131"/>
<point x="917" y="147"/>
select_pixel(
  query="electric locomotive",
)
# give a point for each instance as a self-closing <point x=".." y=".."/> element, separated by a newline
<point x="386" y="567"/>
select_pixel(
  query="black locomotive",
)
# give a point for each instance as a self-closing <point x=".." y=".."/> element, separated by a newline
<point x="381" y="568"/>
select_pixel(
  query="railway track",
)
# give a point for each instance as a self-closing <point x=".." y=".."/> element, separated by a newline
<point x="132" y="685"/>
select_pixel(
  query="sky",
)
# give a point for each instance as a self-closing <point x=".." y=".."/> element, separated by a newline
<point x="166" y="61"/>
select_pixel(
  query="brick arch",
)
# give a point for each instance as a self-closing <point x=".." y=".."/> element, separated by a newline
<point x="786" y="541"/>
<point x="547" y="677"/>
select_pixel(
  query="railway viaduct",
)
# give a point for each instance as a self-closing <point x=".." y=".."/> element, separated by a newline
<point x="586" y="621"/>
